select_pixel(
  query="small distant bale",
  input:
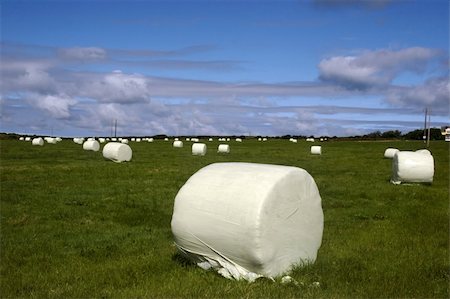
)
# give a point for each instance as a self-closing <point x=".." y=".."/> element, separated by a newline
<point x="21" y="138"/>
<point x="138" y="139"/>
<point x="412" y="167"/>
<point x="199" y="149"/>
<point x="264" y="139"/>
<point x="27" y="138"/>
<point x="78" y="140"/>
<point x="178" y="143"/>
<point x="91" y="145"/>
<point x="150" y="140"/>
<point x="117" y="152"/>
<point x="310" y="139"/>
<point x="223" y="148"/>
<point x="166" y="139"/>
<point x="124" y="141"/>
<point x="316" y="150"/>
<point x="238" y="140"/>
<point x="101" y="140"/>
<point x="210" y="139"/>
<point x="390" y="152"/>
<point x="37" y="141"/>
<point x="51" y="140"/>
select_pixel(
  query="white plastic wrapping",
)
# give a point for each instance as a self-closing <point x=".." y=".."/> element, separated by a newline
<point x="247" y="220"/>
<point x="91" y="145"/>
<point x="390" y="152"/>
<point x="316" y="150"/>
<point x="117" y="152"/>
<point x="178" y="143"/>
<point x="223" y="148"/>
<point x="199" y="149"/>
<point x="37" y="141"/>
<point x="412" y="167"/>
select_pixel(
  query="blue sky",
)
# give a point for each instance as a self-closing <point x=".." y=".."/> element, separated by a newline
<point x="318" y="67"/>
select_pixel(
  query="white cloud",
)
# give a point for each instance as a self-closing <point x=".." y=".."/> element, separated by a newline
<point x="82" y="54"/>
<point x="115" y="87"/>
<point x="433" y="93"/>
<point x="56" y="106"/>
<point x="375" y="68"/>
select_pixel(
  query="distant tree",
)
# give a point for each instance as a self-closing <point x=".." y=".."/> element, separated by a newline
<point x="392" y="134"/>
<point x="435" y="134"/>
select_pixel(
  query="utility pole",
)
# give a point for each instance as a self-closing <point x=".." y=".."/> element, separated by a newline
<point x="429" y="129"/>
<point x="425" y="126"/>
<point x="115" y="128"/>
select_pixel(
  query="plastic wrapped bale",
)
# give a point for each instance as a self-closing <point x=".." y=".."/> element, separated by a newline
<point x="124" y="141"/>
<point x="78" y="140"/>
<point x="390" y="152"/>
<point x="248" y="220"/>
<point x="91" y="145"/>
<point x="411" y="167"/>
<point x="199" y="149"/>
<point x="223" y="148"/>
<point x="316" y="150"/>
<point x="178" y="143"/>
<point x="117" y="152"/>
<point x="21" y="138"/>
<point x="37" y="141"/>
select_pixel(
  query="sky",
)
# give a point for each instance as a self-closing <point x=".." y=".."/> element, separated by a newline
<point x="187" y="68"/>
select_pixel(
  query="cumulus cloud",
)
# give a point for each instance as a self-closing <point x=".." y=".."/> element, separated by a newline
<point x="115" y="87"/>
<point x="56" y="106"/>
<point x="433" y="93"/>
<point x="374" y="68"/>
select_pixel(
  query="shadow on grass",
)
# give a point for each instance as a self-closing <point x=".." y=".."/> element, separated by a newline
<point x="182" y="260"/>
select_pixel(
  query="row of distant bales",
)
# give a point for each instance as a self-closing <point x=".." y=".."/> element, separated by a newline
<point x="118" y="150"/>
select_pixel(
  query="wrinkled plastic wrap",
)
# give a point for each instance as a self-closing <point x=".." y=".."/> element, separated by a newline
<point x="37" y="141"/>
<point x="223" y="148"/>
<point x="248" y="220"/>
<point x="178" y="143"/>
<point x="412" y="167"/>
<point x="316" y="150"/>
<point x="390" y="152"/>
<point x="91" y="145"/>
<point x="117" y="152"/>
<point x="199" y="149"/>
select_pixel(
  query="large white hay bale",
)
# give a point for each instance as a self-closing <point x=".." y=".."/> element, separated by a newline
<point x="223" y="148"/>
<point x="58" y="139"/>
<point x="238" y="140"/>
<point x="199" y="149"/>
<point x="27" y="138"/>
<point x="210" y="139"/>
<point x="91" y="145"/>
<point x="411" y="167"/>
<point x="178" y="143"/>
<point x="117" y="152"/>
<point x="248" y="220"/>
<point x="390" y="152"/>
<point x="113" y="139"/>
<point x="37" y="141"/>
<point x="316" y="150"/>
<point x="21" y="138"/>
<point x="264" y="139"/>
<point x="150" y="140"/>
<point x="124" y="141"/>
<point x="166" y="139"/>
<point x="101" y="140"/>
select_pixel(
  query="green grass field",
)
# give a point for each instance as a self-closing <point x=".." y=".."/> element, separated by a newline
<point x="74" y="225"/>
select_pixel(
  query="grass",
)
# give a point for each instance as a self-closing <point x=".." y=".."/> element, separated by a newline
<point x="74" y="225"/>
